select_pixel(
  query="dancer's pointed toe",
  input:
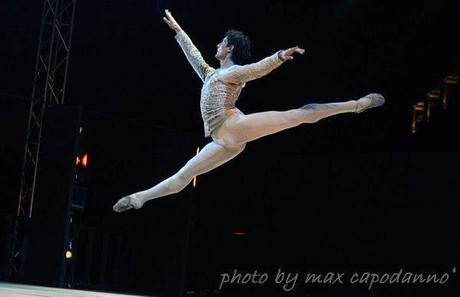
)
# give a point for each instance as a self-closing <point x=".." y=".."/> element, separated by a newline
<point x="127" y="203"/>
<point x="369" y="101"/>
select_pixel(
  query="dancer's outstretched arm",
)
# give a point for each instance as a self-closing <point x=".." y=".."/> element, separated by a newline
<point x="245" y="73"/>
<point x="191" y="52"/>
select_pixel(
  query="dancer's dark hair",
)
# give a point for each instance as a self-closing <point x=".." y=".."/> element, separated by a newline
<point x="241" y="46"/>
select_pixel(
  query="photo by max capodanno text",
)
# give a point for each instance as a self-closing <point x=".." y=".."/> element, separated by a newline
<point x="289" y="280"/>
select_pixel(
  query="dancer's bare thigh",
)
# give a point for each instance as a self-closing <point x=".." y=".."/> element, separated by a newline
<point x="224" y="135"/>
<point x="211" y="156"/>
<point x="239" y="128"/>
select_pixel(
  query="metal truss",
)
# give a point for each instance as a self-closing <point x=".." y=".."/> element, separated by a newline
<point x="48" y="89"/>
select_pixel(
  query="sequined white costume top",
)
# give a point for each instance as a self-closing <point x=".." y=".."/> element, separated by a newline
<point x="222" y="87"/>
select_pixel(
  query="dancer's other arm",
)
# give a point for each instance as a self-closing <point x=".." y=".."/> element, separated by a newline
<point x="245" y="73"/>
<point x="191" y="52"/>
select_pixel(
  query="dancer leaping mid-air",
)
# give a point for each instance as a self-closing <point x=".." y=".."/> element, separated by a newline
<point x="228" y="127"/>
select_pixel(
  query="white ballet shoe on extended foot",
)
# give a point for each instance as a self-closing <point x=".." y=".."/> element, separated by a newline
<point x="369" y="101"/>
<point x="127" y="203"/>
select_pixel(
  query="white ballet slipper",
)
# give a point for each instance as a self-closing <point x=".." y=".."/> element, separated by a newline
<point x="375" y="101"/>
<point x="127" y="203"/>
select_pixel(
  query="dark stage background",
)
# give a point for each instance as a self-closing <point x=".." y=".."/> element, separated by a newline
<point x="352" y="193"/>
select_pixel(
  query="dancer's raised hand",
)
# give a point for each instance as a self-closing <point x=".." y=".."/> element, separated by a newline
<point x="169" y="19"/>
<point x="287" y="54"/>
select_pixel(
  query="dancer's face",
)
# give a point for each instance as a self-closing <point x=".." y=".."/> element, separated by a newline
<point x="223" y="50"/>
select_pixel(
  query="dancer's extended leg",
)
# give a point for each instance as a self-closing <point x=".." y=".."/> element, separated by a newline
<point x="249" y="127"/>
<point x="212" y="156"/>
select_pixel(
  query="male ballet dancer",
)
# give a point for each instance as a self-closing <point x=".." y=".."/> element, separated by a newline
<point x="228" y="127"/>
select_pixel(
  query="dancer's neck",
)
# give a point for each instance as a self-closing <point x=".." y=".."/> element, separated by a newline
<point x="227" y="62"/>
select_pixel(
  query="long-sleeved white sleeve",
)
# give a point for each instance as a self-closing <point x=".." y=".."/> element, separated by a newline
<point x="193" y="55"/>
<point x="245" y="73"/>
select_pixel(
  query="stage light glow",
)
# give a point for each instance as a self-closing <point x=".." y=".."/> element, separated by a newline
<point x="68" y="254"/>
<point x="432" y="96"/>
<point x="84" y="160"/>
<point x="448" y="82"/>
<point x="418" y="115"/>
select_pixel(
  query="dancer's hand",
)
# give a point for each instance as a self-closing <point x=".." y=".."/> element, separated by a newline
<point x="171" y="21"/>
<point x="287" y="54"/>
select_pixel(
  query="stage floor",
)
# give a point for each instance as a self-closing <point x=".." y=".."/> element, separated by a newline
<point x="18" y="290"/>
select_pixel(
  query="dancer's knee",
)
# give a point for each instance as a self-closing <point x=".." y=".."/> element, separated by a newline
<point x="293" y="117"/>
<point x="312" y="106"/>
<point x="310" y="113"/>
<point x="177" y="182"/>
